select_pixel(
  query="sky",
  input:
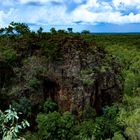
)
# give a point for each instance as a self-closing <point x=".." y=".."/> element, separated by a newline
<point x="94" y="15"/>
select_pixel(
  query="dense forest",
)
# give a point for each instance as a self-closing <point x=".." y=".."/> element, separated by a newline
<point x="61" y="85"/>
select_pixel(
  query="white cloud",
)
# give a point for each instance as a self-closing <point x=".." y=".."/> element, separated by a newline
<point x="40" y="1"/>
<point x="91" y="4"/>
<point x="2" y="15"/>
<point x="7" y="2"/>
<point x="13" y="2"/>
<point x="46" y="14"/>
<point x="5" y="17"/>
<point x="117" y="18"/>
<point x="78" y="1"/>
<point x="126" y="3"/>
<point x="95" y="12"/>
<point x="92" y="12"/>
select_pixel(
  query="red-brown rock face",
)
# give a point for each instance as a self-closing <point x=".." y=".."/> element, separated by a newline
<point x="83" y="77"/>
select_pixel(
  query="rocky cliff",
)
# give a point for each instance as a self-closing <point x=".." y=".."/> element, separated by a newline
<point x="73" y="73"/>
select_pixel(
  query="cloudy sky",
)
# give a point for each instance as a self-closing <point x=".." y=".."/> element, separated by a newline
<point x="93" y="15"/>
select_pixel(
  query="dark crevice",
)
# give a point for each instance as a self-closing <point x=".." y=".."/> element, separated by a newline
<point x="50" y="89"/>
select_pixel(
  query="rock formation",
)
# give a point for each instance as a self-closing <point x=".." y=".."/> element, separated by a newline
<point x="83" y="77"/>
<point x="74" y="73"/>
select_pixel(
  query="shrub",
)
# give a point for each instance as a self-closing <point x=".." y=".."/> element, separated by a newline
<point x="89" y="113"/>
<point x="49" y="106"/>
<point x="34" y="83"/>
<point x="129" y="117"/>
<point x="24" y="105"/>
<point x="118" y="136"/>
<point x="55" y="126"/>
<point x="84" y="130"/>
<point x="9" y="125"/>
<point x="8" y="54"/>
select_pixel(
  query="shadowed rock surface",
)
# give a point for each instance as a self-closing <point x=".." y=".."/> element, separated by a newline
<point x="6" y="73"/>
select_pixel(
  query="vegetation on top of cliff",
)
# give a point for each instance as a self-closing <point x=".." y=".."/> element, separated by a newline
<point x="71" y="85"/>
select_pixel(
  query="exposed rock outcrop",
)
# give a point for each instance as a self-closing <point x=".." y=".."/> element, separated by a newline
<point x="74" y="73"/>
<point x="83" y="77"/>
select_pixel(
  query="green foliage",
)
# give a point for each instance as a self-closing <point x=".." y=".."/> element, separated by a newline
<point x="9" y="125"/>
<point x="107" y="124"/>
<point x="131" y="83"/>
<point x="51" y="51"/>
<point x="31" y="136"/>
<point x="118" y="136"/>
<point x="33" y="66"/>
<point x="1" y="31"/>
<point x="20" y="28"/>
<point x="84" y="130"/>
<point x="111" y="123"/>
<point x="7" y="54"/>
<point x="34" y="83"/>
<point x="129" y="111"/>
<point x="40" y="30"/>
<point x="130" y="58"/>
<point x="30" y="52"/>
<point x="61" y="31"/>
<point x="53" y="30"/>
<point x="129" y="116"/>
<point x="54" y="125"/>
<point x="66" y="123"/>
<point x="85" y="32"/>
<point x="69" y="30"/>
<point x="87" y="77"/>
<point x="88" y="113"/>
<point x="49" y="106"/>
<point x="47" y="125"/>
<point x="24" y="105"/>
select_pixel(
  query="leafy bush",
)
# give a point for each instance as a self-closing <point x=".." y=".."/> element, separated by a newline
<point x="89" y="113"/>
<point x="24" y="105"/>
<point x="118" y="136"/>
<point x="31" y="136"/>
<point x="54" y="125"/>
<point x="84" y="131"/>
<point x="87" y="77"/>
<point x="8" y="54"/>
<point x="131" y="83"/>
<point x="107" y="124"/>
<point x="9" y="125"/>
<point x="49" y="106"/>
<point x="34" y="83"/>
<point x="129" y="117"/>
<point x="129" y="110"/>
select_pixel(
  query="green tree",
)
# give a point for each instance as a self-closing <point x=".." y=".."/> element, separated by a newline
<point x="15" y="29"/>
<point x="85" y="32"/>
<point x="129" y="116"/>
<point x="55" y="126"/>
<point x="84" y="131"/>
<point x="40" y="30"/>
<point x="20" y="28"/>
<point x="49" y="106"/>
<point x="70" y="30"/>
<point x="53" y="30"/>
<point x="2" y="31"/>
